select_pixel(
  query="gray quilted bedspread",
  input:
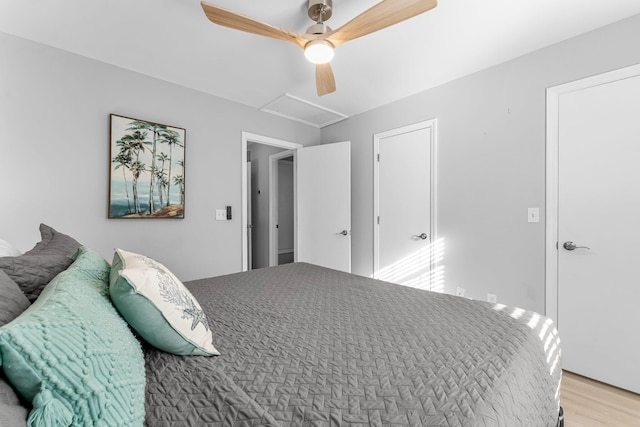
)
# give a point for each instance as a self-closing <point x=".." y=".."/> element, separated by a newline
<point x="305" y="345"/>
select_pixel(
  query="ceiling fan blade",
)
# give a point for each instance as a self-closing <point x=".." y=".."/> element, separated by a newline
<point x="230" y="19"/>
<point x="325" y="82"/>
<point x="382" y="15"/>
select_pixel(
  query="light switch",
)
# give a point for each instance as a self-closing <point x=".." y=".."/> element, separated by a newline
<point x="221" y="214"/>
<point x="533" y="215"/>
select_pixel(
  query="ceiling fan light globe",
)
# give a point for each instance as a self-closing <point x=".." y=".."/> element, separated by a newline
<point x="318" y="51"/>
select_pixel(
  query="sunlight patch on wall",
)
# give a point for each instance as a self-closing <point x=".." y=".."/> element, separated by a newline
<point x="420" y="269"/>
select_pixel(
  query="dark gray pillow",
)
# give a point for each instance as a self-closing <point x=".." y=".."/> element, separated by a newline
<point x="12" y="300"/>
<point x="53" y="242"/>
<point x="12" y="304"/>
<point x="33" y="270"/>
<point x="12" y="412"/>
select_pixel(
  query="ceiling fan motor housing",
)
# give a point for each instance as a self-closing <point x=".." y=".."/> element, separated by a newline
<point x="319" y="28"/>
<point x="320" y="10"/>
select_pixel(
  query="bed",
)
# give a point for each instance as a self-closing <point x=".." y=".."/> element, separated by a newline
<point x="305" y="345"/>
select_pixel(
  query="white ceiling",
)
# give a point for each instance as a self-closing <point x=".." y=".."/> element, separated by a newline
<point x="173" y="41"/>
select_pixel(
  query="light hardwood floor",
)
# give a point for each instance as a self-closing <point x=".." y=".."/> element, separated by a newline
<point x="589" y="403"/>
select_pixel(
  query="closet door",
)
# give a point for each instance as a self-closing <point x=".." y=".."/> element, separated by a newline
<point x="598" y="231"/>
<point x="405" y="251"/>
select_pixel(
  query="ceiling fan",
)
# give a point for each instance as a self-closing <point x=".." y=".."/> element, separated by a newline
<point x="320" y="40"/>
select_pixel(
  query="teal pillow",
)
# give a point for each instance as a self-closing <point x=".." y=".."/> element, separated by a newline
<point x="73" y="356"/>
<point x="158" y="306"/>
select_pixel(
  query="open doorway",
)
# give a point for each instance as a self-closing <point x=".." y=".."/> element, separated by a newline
<point x="282" y="208"/>
<point x="260" y="210"/>
<point x="271" y="205"/>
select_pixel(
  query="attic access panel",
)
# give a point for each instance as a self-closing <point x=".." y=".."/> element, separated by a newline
<point x="299" y="110"/>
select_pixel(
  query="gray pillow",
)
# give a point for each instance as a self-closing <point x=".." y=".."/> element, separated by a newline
<point x="54" y="242"/>
<point x="33" y="270"/>
<point x="12" y="301"/>
<point x="12" y="412"/>
<point x="12" y="304"/>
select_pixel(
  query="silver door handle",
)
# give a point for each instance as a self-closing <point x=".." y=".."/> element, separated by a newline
<point x="343" y="233"/>
<point x="570" y="246"/>
<point x="423" y="236"/>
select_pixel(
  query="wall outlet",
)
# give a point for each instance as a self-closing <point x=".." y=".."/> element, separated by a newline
<point x="221" y="214"/>
<point x="492" y="298"/>
<point x="460" y="291"/>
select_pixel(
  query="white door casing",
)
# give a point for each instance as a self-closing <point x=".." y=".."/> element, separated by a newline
<point x="323" y="188"/>
<point x="249" y="227"/>
<point x="593" y="153"/>
<point x="404" y="207"/>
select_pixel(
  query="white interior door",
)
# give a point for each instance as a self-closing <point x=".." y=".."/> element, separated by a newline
<point x="403" y="240"/>
<point x="599" y="208"/>
<point x="323" y="217"/>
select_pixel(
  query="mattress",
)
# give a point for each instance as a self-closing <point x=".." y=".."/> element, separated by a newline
<point x="306" y="345"/>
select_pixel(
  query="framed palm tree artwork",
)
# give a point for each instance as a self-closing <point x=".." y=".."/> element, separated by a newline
<point x="146" y="173"/>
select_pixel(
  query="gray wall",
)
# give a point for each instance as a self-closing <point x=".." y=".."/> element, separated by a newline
<point x="54" y="157"/>
<point x="491" y="162"/>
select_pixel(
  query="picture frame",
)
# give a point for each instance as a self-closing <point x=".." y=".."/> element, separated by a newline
<point x="146" y="169"/>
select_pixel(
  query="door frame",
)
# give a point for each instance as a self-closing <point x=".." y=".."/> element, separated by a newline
<point x="260" y="139"/>
<point x="249" y="213"/>
<point x="552" y="174"/>
<point x="430" y="124"/>
<point x="273" y="204"/>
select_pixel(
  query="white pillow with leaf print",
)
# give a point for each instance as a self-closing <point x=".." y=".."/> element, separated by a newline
<point x="158" y="306"/>
<point x="7" y="249"/>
